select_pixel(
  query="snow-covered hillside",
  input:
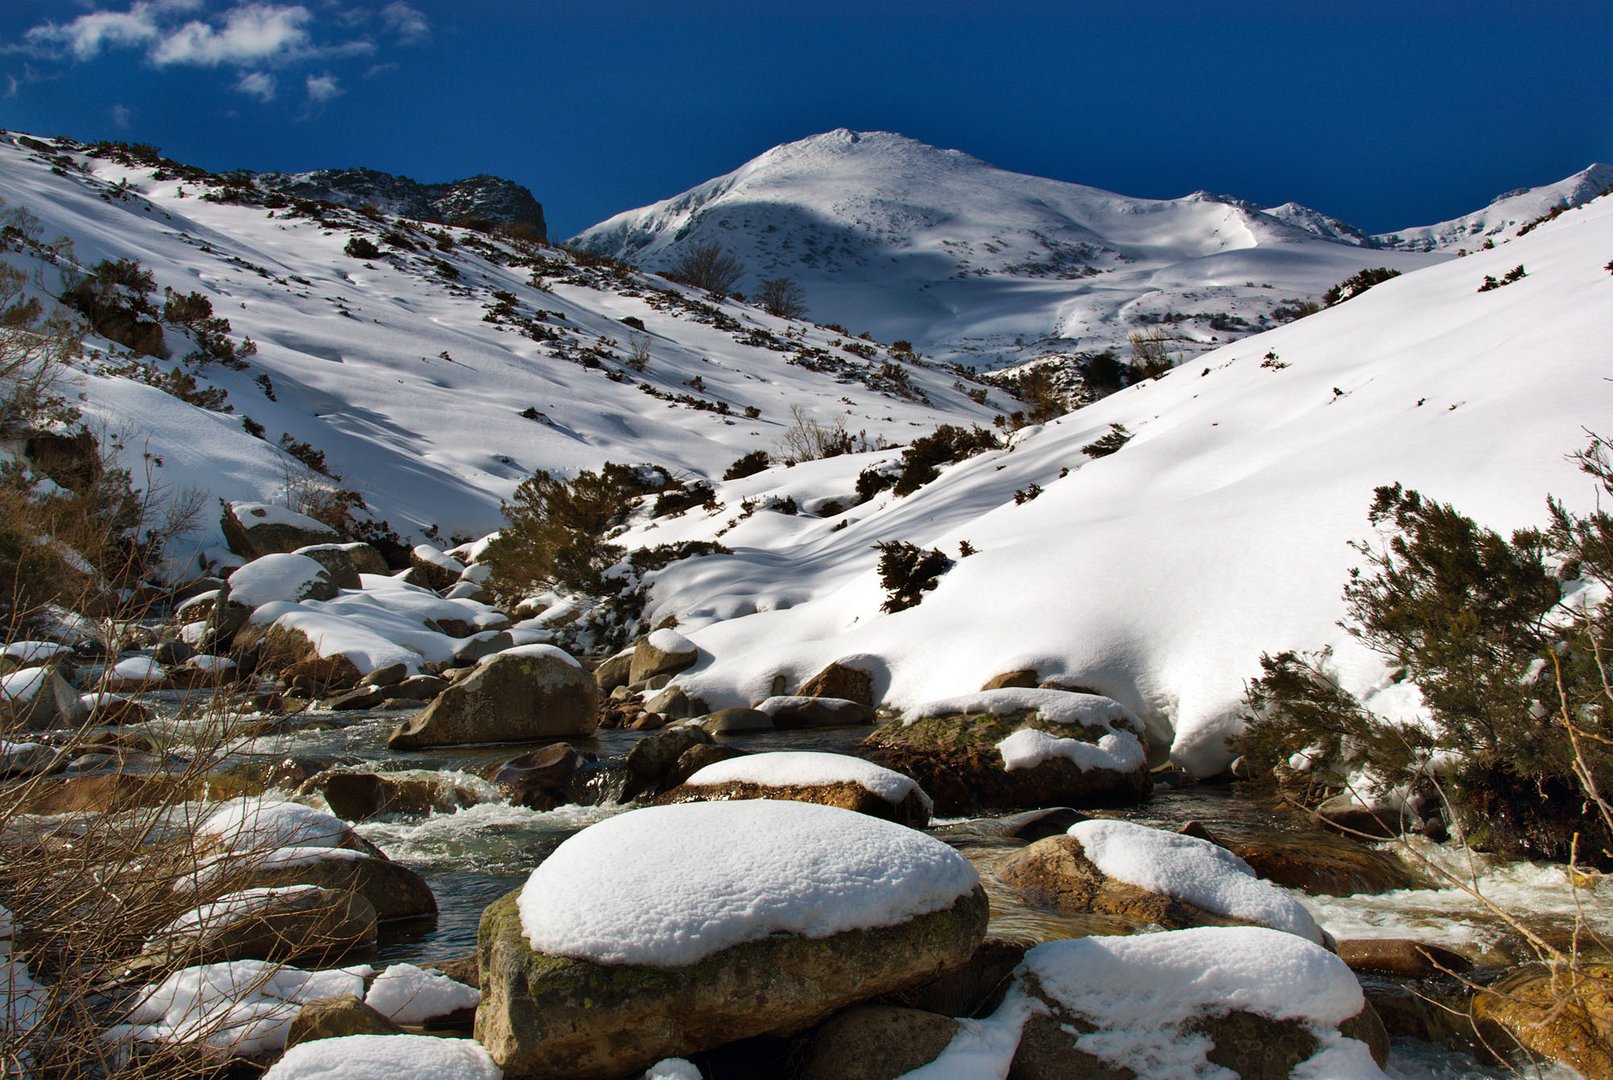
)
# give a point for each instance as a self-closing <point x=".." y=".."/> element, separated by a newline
<point x="434" y="377"/>
<point x="1158" y="574"/>
<point x="1505" y="214"/>
<point x="989" y="267"/>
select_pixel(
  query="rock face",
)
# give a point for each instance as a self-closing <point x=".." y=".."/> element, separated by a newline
<point x="956" y="759"/>
<point x="480" y="198"/>
<point x="522" y="695"/>
<point x="546" y="1016"/>
<point x="254" y="530"/>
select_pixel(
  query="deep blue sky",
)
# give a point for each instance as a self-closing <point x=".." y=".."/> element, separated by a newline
<point x="1384" y="114"/>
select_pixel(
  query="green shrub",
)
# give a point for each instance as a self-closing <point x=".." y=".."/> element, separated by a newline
<point x="748" y="465"/>
<point x="1510" y="674"/>
<point x="556" y="529"/>
<point x="361" y="247"/>
<point x="1356" y="284"/>
<point x="907" y="572"/>
<point x="1107" y="443"/>
<point x="946" y="444"/>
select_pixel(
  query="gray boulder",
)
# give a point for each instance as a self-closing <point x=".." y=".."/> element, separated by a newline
<point x="522" y="695"/>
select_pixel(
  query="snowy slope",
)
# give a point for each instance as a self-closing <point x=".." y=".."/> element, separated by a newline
<point x="988" y="267"/>
<point x="390" y="367"/>
<point x="1159" y="574"/>
<point x="1505" y="214"/>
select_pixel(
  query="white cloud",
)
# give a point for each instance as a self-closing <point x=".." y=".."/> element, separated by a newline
<point x="259" y="84"/>
<point x="409" y="24"/>
<point x="252" y="33"/>
<point x="121" y="115"/>
<point x="323" y="88"/>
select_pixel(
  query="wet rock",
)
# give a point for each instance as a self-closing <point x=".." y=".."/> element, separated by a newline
<point x="539" y="780"/>
<point x="334" y="1017"/>
<point x="841" y="680"/>
<point x="417" y="688"/>
<point x="392" y="889"/>
<point x="1033" y="825"/>
<point x="653" y="756"/>
<point x="359" y="796"/>
<point x="522" y="695"/>
<point x="390" y="675"/>
<point x="1401" y="956"/>
<point x="736" y="721"/>
<point x="360" y="697"/>
<point x="107" y="793"/>
<point x="664" y="652"/>
<point x="815" y="712"/>
<point x="1320" y="864"/>
<point x="877" y="1042"/>
<point x="1353" y="819"/>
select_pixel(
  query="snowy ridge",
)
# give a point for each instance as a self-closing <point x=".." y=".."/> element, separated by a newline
<point x="1158" y="575"/>
<point x="1505" y="214"/>
<point x="426" y="392"/>
<point x="974" y="263"/>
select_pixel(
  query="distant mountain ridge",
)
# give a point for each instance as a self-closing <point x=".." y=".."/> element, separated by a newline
<point x="479" y="198"/>
<point x="1506" y="213"/>
<point x="992" y="268"/>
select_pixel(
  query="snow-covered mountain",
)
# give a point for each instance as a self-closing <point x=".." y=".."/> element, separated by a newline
<point x="1220" y="529"/>
<point x="1505" y="214"/>
<point x="988" y="267"/>
<point x="436" y="374"/>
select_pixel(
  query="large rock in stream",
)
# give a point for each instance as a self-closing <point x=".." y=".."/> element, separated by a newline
<point x="670" y="930"/>
<point x="524" y="694"/>
<point x="1018" y="749"/>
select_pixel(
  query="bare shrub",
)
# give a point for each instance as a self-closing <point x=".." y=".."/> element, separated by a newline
<point x="781" y="296"/>
<point x="707" y="266"/>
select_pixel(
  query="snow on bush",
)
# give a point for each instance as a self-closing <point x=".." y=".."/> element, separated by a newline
<point x="412" y="995"/>
<point x="386" y="1057"/>
<point x="668" y="886"/>
<point x="806" y="768"/>
<point x="1193" y="870"/>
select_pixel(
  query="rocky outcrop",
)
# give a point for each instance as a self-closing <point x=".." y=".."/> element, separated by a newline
<point x="522" y="695"/>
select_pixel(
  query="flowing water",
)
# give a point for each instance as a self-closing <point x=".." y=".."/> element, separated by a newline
<point x="474" y="855"/>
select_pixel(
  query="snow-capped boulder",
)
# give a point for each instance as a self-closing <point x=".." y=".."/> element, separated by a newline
<point x="135" y="673"/>
<point x="1014" y="747"/>
<point x="615" y="671"/>
<point x="433" y="569"/>
<point x="385" y="1057"/>
<point x="1151" y="876"/>
<point x="808" y="776"/>
<point x="411" y="995"/>
<point x="37" y="698"/>
<point x="286" y="577"/>
<point x="257" y="825"/>
<point x="275" y="924"/>
<point x="338" y="560"/>
<point x="254" y="530"/>
<point x="520" y="695"/>
<point x="664" y="652"/>
<point x="661" y="932"/>
<point x="1253" y="1002"/>
<point x="392" y="889"/>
